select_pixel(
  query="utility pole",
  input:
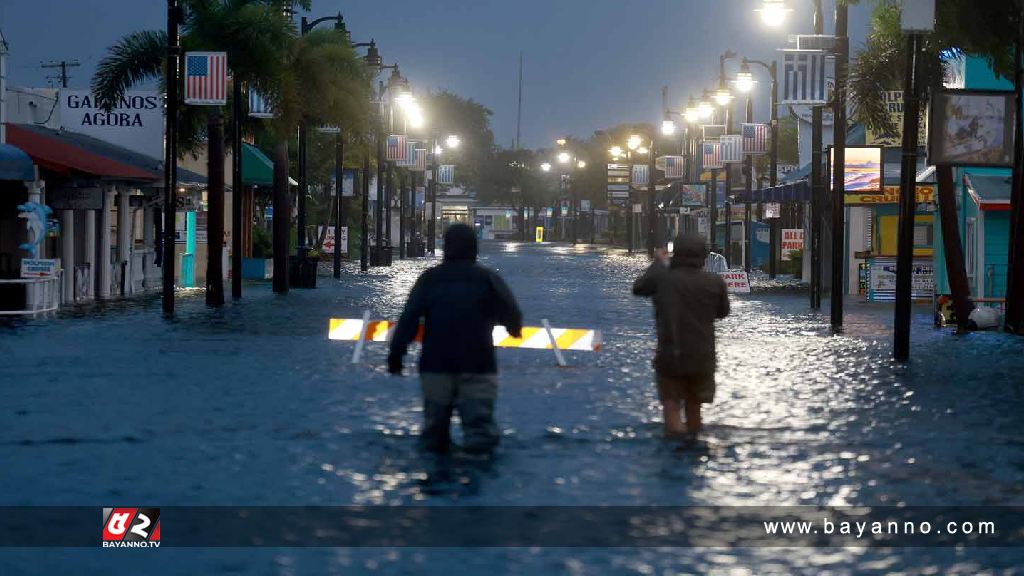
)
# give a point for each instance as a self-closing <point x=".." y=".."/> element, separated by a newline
<point x="174" y="17"/>
<point x="817" y="182"/>
<point x="63" y="65"/>
<point x="842" y="52"/>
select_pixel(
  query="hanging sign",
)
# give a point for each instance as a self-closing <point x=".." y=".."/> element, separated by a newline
<point x="804" y="76"/>
<point x="206" y="78"/>
<point x="731" y="148"/>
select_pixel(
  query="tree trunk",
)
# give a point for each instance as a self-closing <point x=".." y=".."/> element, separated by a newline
<point x="215" y="215"/>
<point x="956" y="271"/>
<point x="282" y="216"/>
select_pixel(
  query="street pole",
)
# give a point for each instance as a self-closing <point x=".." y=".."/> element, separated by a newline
<point x="300" y="219"/>
<point x="748" y="177"/>
<point x="652" y="210"/>
<point x="773" y="230"/>
<point x="817" y="184"/>
<point x="364" y="240"/>
<point x="237" y="193"/>
<point x="712" y="207"/>
<point x="379" y="212"/>
<point x="908" y="185"/>
<point x="575" y="205"/>
<point x="174" y="16"/>
<point x="339" y="215"/>
<point x="1014" y="318"/>
<point x="839" y="169"/>
<point x="629" y="200"/>
<point x="389" y="197"/>
<point x="401" y="214"/>
<point x="432" y="185"/>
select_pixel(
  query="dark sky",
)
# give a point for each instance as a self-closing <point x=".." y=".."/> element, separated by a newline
<point x="589" y="64"/>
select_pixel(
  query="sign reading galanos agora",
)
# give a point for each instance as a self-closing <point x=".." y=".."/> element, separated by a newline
<point x="135" y="122"/>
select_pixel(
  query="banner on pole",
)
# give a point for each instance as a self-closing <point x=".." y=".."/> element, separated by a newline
<point x="712" y="131"/>
<point x="731" y="148"/>
<point x="805" y="77"/>
<point x="259" y="107"/>
<point x="756" y="138"/>
<point x="712" y="155"/>
<point x="641" y="174"/>
<point x="446" y="174"/>
<point x="672" y="166"/>
<point x="206" y="78"/>
<point x="396" y="149"/>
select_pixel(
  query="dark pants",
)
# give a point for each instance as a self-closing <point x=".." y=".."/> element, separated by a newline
<point x="473" y="395"/>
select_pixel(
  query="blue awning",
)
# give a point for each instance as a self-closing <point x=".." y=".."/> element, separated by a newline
<point x="793" y="192"/>
<point x="15" y="164"/>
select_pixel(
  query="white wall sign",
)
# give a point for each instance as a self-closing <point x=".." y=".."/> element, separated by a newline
<point x="38" y="268"/>
<point x="792" y="240"/>
<point x="136" y="123"/>
<point x="736" y="281"/>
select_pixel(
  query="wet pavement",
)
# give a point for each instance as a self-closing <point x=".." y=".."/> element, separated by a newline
<point x="252" y="405"/>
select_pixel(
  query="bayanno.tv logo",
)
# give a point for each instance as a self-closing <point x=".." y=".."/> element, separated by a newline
<point x="131" y="527"/>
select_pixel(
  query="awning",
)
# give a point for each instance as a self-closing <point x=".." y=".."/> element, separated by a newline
<point x="57" y="152"/>
<point x="793" y="192"/>
<point x="15" y="164"/>
<point x="257" y="169"/>
<point x="989" y="191"/>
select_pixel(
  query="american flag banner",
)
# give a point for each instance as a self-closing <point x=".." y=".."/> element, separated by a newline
<point x="640" y="174"/>
<point x="712" y="155"/>
<point x="755" y="138"/>
<point x="804" y="77"/>
<point x="397" y="148"/>
<point x="672" y="166"/>
<point x="731" y="148"/>
<point x="421" y="160"/>
<point x="446" y="174"/>
<point x="258" y="105"/>
<point x="206" y="78"/>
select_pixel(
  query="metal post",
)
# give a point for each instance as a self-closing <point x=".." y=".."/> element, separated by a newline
<point x="908" y="190"/>
<point x="300" y="219"/>
<point x="748" y="177"/>
<point x="379" y="212"/>
<point x="575" y="207"/>
<point x="401" y="214"/>
<point x="389" y="195"/>
<point x="237" y="193"/>
<point x="652" y="207"/>
<point x="1014" y="317"/>
<point x="364" y="239"/>
<point x="629" y="208"/>
<point x="773" y="230"/>
<point x="838" y="170"/>
<point x="170" y="157"/>
<point x="431" y="230"/>
<point x="339" y="214"/>
<point x="817" y="185"/>
<point x="713" y="207"/>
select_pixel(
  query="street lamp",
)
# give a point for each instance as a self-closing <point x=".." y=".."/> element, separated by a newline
<point x="564" y="157"/>
<point x="745" y="79"/>
<point x="668" y="127"/>
<point x="634" y="142"/>
<point x="546" y="166"/>
<point x="581" y="164"/>
<point x="692" y="113"/>
<point x="453" y="141"/>
<point x="773" y="12"/>
<point x="615" y="151"/>
<point x="723" y="96"/>
<point x="705" y="109"/>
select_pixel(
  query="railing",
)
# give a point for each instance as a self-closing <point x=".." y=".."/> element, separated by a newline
<point x="42" y="295"/>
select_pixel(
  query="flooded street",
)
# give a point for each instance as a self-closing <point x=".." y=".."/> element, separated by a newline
<point x="252" y="405"/>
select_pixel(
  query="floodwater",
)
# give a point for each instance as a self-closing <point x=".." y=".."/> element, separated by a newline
<point x="251" y="405"/>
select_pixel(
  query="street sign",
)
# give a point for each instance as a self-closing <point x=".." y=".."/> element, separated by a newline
<point x="792" y="240"/>
<point x="736" y="281"/>
<point x="772" y="210"/>
<point x="918" y="16"/>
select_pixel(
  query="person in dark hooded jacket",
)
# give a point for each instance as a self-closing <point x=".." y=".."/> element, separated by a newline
<point x="459" y="302"/>
<point x="687" y="301"/>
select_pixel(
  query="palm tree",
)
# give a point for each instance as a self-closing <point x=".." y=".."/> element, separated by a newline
<point x="254" y="34"/>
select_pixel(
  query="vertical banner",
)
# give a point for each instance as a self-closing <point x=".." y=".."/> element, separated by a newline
<point x="641" y="173"/>
<point x="731" y="148"/>
<point x="672" y="166"/>
<point x="712" y="153"/>
<point x="804" y="77"/>
<point x="258" y="105"/>
<point x="397" y="149"/>
<point x="421" y="160"/>
<point x="446" y="174"/>
<point x="206" y="78"/>
<point x="756" y="138"/>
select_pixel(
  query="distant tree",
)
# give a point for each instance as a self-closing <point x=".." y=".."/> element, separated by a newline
<point x="448" y="113"/>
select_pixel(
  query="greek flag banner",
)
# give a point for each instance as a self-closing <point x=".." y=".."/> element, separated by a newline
<point x="804" y="77"/>
<point x="732" y="148"/>
<point x="258" y="105"/>
<point x="446" y="174"/>
<point x="640" y="174"/>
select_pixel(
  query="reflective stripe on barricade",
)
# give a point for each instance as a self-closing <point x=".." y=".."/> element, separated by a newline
<point x="533" y="337"/>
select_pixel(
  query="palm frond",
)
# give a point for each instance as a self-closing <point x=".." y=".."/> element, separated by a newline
<point x="136" y="58"/>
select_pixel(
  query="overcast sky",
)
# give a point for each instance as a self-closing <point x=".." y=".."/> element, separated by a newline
<point x="589" y="64"/>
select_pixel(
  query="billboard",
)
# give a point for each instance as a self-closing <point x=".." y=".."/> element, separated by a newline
<point x="971" y="128"/>
<point x="135" y="123"/>
<point x="863" y="169"/>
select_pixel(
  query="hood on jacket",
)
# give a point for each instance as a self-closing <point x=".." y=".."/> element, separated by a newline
<point x="460" y="243"/>
<point x="689" y="251"/>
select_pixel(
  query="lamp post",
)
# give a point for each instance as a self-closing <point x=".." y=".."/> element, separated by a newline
<point x="305" y="26"/>
<point x="374" y="63"/>
<point x="453" y="142"/>
<point x="724" y="99"/>
<point x="174" y="18"/>
<point x="773" y="172"/>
